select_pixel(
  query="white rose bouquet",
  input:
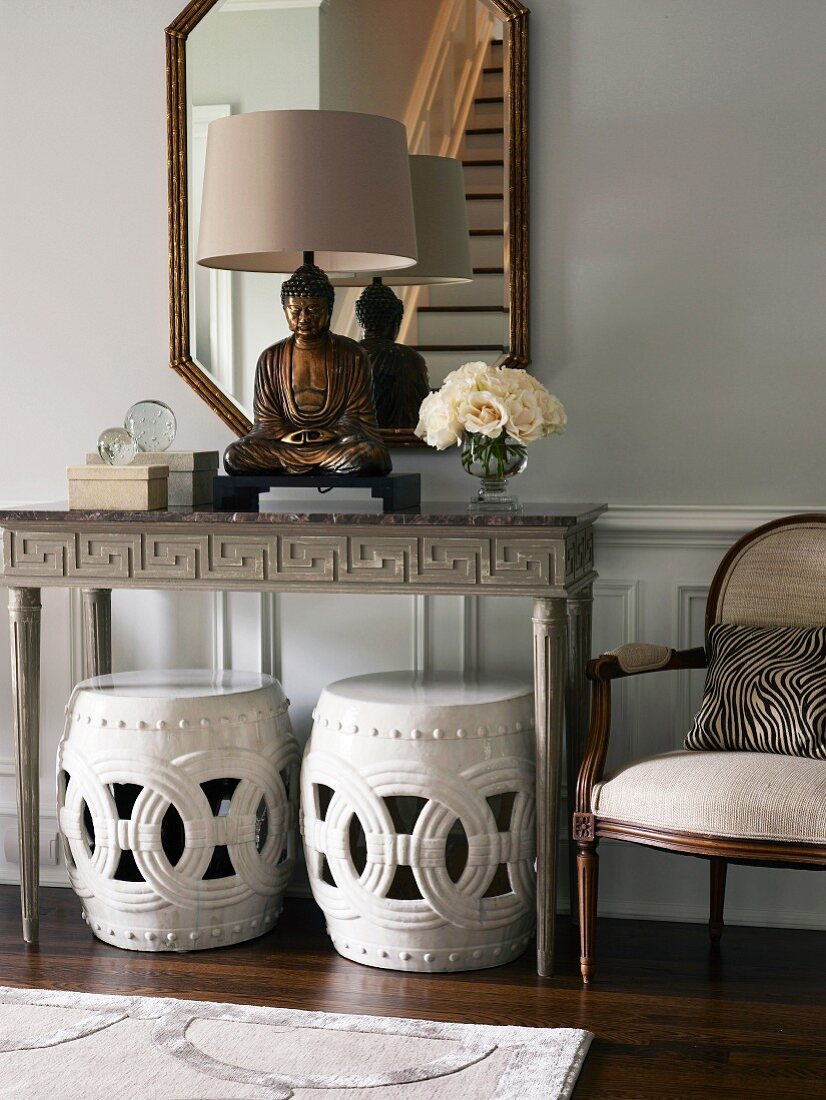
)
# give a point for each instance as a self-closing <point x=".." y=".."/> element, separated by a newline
<point x="494" y="412"/>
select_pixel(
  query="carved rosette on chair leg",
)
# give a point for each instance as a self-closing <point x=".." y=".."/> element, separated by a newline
<point x="178" y="806"/>
<point x="418" y="818"/>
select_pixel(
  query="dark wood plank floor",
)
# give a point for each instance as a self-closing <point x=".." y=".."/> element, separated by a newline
<point x="673" y="1020"/>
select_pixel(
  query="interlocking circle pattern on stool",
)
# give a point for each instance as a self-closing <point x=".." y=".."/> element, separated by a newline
<point x="406" y="855"/>
<point x="179" y="832"/>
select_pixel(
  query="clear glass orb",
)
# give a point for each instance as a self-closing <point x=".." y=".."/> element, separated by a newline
<point x="117" y="446"/>
<point x="153" y="425"/>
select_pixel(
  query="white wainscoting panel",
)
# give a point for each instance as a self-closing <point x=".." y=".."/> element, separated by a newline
<point x="691" y="612"/>
<point x="159" y="629"/>
<point x="328" y="637"/>
<point x="616" y="621"/>
<point x="655" y="567"/>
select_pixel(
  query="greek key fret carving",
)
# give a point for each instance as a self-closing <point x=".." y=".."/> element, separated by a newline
<point x="35" y="554"/>
<point x="308" y="557"/>
<point x="522" y="562"/>
<point x="356" y="560"/>
<point x="174" y="557"/>
<point x="237" y="557"/>
<point x="108" y="556"/>
<point x="374" y="558"/>
<point x="579" y="554"/>
<point x="453" y="560"/>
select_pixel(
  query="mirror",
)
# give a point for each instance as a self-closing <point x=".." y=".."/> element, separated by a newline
<point x="453" y="71"/>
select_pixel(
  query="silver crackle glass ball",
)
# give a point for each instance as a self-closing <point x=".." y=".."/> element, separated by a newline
<point x="116" y="446"/>
<point x="153" y="425"/>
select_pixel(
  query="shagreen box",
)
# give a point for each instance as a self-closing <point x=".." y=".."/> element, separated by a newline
<point x="118" y="488"/>
<point x="190" y="473"/>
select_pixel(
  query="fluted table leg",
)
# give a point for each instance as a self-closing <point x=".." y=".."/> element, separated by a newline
<point x="24" y="620"/>
<point x="97" y="631"/>
<point x="580" y="609"/>
<point x="550" y="637"/>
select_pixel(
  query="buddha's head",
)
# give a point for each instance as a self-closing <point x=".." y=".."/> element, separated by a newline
<point x="379" y="312"/>
<point x="308" y="297"/>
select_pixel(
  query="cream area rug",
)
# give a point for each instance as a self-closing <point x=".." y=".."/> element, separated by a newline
<point x="80" y="1046"/>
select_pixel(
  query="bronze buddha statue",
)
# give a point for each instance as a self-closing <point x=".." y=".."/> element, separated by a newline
<point x="314" y="410"/>
<point x="400" y="382"/>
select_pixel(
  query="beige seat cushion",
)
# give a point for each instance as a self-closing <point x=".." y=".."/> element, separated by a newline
<point x="727" y="794"/>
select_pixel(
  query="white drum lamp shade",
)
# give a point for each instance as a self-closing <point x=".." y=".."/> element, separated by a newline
<point x="278" y="184"/>
<point x="441" y="228"/>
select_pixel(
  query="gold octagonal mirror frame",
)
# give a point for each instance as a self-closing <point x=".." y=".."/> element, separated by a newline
<point x="515" y="17"/>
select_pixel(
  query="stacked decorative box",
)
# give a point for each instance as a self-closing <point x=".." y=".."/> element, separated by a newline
<point x="120" y="488"/>
<point x="154" y="479"/>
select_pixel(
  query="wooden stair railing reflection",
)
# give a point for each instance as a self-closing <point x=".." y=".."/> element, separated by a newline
<point x="486" y="121"/>
<point x="437" y="113"/>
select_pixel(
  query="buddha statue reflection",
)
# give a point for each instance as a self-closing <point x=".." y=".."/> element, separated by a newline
<point x="314" y="411"/>
<point x="400" y="380"/>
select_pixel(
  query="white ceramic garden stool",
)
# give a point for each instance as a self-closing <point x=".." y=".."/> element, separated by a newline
<point x="418" y="819"/>
<point x="177" y="805"/>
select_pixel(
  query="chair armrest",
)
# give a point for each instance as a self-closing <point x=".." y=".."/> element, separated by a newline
<point x="628" y="660"/>
<point x="638" y="657"/>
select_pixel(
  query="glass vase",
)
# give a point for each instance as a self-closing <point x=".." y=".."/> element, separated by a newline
<point x="493" y="461"/>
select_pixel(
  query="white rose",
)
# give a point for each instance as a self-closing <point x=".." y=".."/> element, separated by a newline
<point x="438" y="425"/>
<point x="525" y="420"/>
<point x="553" y="412"/>
<point x="483" y="413"/>
<point x="497" y="383"/>
<point x="515" y="379"/>
<point x="474" y="371"/>
<point x="465" y="378"/>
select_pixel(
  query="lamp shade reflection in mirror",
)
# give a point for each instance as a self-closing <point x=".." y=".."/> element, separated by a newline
<point x="400" y="374"/>
<point x="454" y="73"/>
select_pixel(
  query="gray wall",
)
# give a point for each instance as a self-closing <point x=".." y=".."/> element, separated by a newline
<point x="679" y="244"/>
<point x="679" y="236"/>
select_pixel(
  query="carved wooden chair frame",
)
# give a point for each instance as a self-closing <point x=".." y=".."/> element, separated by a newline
<point x="589" y="828"/>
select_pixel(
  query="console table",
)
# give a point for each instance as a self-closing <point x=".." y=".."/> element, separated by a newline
<point x="545" y="554"/>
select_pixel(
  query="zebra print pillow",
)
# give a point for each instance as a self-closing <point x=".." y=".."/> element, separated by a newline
<point x="765" y="691"/>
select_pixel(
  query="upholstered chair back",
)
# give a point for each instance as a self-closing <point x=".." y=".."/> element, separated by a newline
<point x="774" y="576"/>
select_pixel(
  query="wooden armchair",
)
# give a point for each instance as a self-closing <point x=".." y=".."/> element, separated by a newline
<point x="742" y="807"/>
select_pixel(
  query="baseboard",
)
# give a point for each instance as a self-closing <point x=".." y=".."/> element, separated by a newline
<point x="49" y="876"/>
<point x="680" y="913"/>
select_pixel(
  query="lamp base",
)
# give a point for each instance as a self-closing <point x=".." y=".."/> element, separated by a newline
<point x="241" y="492"/>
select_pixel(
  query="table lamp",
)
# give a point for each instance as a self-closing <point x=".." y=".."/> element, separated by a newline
<point x="400" y="372"/>
<point x="311" y="190"/>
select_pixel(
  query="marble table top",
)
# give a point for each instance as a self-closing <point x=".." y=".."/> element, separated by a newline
<point x="439" y="514"/>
